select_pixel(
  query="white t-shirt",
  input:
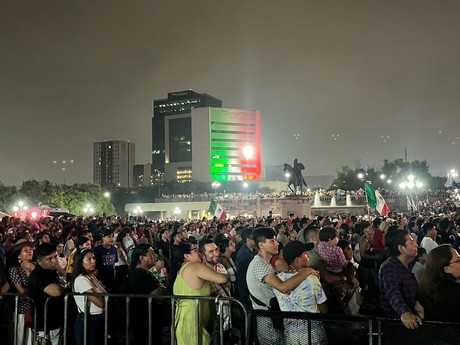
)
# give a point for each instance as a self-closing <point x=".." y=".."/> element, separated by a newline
<point x="82" y="284"/>
<point x="428" y="244"/>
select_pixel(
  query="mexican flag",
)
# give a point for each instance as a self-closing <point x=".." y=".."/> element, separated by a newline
<point x="217" y="210"/>
<point x="376" y="200"/>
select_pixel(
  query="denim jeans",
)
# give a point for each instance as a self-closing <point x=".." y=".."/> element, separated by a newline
<point x="95" y="329"/>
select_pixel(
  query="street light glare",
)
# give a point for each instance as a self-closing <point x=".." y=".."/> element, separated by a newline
<point x="382" y="176"/>
<point x="360" y="176"/>
<point x="411" y="178"/>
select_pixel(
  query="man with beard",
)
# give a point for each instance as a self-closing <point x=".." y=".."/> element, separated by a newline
<point x="211" y="257"/>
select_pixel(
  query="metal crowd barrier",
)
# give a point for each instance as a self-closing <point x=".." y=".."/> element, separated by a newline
<point x="110" y="304"/>
<point x="338" y="329"/>
<point x="356" y="330"/>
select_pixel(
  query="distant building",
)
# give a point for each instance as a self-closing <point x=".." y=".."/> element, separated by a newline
<point x="142" y="175"/>
<point x="172" y="127"/>
<point x="113" y="164"/>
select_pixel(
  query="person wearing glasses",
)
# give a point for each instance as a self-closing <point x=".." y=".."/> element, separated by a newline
<point x="439" y="291"/>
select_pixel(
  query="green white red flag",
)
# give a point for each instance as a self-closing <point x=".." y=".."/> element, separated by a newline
<point x="376" y="200"/>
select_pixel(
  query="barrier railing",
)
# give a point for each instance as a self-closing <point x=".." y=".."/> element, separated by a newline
<point x="301" y="328"/>
<point x="118" y="308"/>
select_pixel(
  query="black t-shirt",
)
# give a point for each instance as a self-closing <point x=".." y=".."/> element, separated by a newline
<point x="143" y="283"/>
<point x="165" y="246"/>
<point x="39" y="279"/>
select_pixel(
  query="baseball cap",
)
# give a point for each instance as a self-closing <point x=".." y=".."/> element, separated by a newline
<point x="294" y="249"/>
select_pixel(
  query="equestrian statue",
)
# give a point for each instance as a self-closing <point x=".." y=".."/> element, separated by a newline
<point x="295" y="177"/>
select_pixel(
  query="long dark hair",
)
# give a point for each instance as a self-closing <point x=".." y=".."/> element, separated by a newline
<point x="177" y="260"/>
<point x="434" y="273"/>
<point x="78" y="263"/>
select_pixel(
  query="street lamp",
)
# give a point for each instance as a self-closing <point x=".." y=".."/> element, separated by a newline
<point x="20" y="206"/>
<point x="245" y="184"/>
<point x="176" y="212"/>
<point x="382" y="176"/>
<point x="360" y="176"/>
<point x="215" y="185"/>
<point x="138" y="210"/>
<point x="411" y="184"/>
<point x="88" y="209"/>
<point x="107" y="195"/>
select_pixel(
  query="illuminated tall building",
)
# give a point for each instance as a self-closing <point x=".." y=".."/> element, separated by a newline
<point x="113" y="164"/>
<point x="194" y="138"/>
<point x="171" y="126"/>
<point x="225" y="147"/>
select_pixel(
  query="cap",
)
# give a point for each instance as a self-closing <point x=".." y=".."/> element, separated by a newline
<point x="294" y="249"/>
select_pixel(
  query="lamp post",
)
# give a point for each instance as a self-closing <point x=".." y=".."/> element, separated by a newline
<point x="20" y="206"/>
<point x="88" y="209"/>
<point x="410" y="185"/>
<point x="64" y="165"/>
<point x="214" y="186"/>
<point x="452" y="175"/>
<point x="176" y="212"/>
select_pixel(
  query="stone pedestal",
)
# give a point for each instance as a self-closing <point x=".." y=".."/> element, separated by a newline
<point x="298" y="204"/>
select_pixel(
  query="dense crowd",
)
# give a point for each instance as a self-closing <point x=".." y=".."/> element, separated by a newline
<point x="324" y="194"/>
<point x="342" y="265"/>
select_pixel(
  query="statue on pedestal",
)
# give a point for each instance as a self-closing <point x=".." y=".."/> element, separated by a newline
<point x="295" y="177"/>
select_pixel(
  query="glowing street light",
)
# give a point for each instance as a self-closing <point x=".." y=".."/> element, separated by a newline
<point x="107" y="195"/>
<point x="88" y="209"/>
<point x="382" y="176"/>
<point x="245" y="184"/>
<point x="138" y="210"/>
<point x="20" y="206"/>
<point x="411" y="183"/>
<point x="176" y="212"/>
<point x="215" y="185"/>
<point x="360" y="176"/>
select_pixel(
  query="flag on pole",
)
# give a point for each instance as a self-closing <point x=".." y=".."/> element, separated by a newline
<point x="376" y="200"/>
<point x="217" y="210"/>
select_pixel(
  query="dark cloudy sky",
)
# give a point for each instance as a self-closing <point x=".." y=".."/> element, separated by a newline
<point x="337" y="82"/>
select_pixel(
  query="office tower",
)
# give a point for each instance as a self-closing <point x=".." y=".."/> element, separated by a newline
<point x="171" y="126"/>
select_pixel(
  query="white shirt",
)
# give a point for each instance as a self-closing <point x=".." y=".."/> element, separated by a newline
<point x="82" y="284"/>
<point x="428" y="244"/>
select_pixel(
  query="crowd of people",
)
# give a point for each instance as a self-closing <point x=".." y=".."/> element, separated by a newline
<point x="394" y="266"/>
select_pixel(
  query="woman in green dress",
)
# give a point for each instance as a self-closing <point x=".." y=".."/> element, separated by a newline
<point x="193" y="279"/>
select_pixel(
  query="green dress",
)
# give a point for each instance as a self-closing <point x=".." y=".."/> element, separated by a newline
<point x="185" y="312"/>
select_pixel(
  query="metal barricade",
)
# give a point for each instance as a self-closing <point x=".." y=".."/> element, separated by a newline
<point x="150" y="301"/>
<point x="310" y="328"/>
<point x="339" y="329"/>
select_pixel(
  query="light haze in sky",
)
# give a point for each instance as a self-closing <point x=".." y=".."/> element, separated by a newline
<point x="337" y="82"/>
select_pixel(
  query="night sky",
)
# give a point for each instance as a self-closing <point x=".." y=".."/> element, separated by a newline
<point x="337" y="82"/>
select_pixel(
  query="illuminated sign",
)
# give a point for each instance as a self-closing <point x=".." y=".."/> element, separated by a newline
<point x="235" y="145"/>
